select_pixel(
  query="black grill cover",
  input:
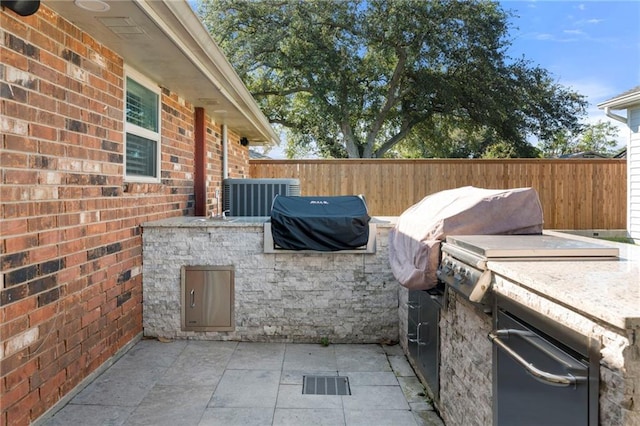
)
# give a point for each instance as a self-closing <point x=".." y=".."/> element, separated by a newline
<point x="319" y="223"/>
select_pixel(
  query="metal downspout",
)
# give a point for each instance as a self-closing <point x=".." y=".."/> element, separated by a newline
<point x="608" y="113"/>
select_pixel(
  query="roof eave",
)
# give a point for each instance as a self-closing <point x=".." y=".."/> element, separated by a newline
<point x="622" y="102"/>
<point x="167" y="42"/>
<point x="211" y="61"/>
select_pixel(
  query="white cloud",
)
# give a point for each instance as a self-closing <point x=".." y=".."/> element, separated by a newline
<point x="543" y="36"/>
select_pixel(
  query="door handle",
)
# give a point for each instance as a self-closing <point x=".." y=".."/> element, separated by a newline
<point x="418" y="339"/>
<point x="193" y="298"/>
<point x="540" y="375"/>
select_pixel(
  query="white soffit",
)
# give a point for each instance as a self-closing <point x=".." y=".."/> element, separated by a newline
<point x="165" y="40"/>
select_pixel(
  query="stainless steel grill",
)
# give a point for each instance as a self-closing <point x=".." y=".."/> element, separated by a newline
<point x="463" y="266"/>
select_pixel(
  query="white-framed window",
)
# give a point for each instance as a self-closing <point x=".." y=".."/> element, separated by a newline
<point x="142" y="129"/>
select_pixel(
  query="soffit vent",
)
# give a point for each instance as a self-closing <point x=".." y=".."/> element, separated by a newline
<point x="124" y="27"/>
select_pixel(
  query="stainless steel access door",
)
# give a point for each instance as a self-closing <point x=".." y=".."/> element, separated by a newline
<point x="208" y="298"/>
<point x="537" y="381"/>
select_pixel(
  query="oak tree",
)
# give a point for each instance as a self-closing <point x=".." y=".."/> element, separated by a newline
<point x="355" y="78"/>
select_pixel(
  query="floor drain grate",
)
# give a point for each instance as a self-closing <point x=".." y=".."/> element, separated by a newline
<point x="325" y="385"/>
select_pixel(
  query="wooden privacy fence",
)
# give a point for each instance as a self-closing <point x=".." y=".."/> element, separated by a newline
<point x="575" y="193"/>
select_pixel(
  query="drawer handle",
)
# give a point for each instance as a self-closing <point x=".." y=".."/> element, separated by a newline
<point x="540" y="375"/>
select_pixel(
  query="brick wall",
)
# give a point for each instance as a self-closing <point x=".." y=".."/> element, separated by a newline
<point x="70" y="252"/>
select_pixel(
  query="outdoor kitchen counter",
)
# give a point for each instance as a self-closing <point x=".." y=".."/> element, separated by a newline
<point x="238" y="221"/>
<point x="600" y="299"/>
<point x="603" y="290"/>
<point x="284" y="296"/>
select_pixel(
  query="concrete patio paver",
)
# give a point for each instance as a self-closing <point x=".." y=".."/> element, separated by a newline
<point x="229" y="383"/>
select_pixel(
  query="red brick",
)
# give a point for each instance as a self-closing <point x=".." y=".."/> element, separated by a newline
<point x="41" y="223"/>
<point x="109" y="306"/>
<point x="84" y="218"/>
<point x="91" y="342"/>
<point x="18" y="309"/>
<point x="14" y="395"/>
<point x="14" y="326"/>
<point x="16" y="377"/>
<point x="13" y="362"/>
<point x="70" y="357"/>
<point x="73" y="341"/>
<point x="50" y="389"/>
<point x="47" y="208"/>
<point x="48" y="368"/>
<point x="50" y="237"/>
<point x="43" y="253"/>
<point x="52" y="91"/>
<point x="46" y="313"/>
<point x="22" y="177"/>
<point x="20" y="243"/>
<point x="70" y="219"/>
<point x="11" y="23"/>
<point x="53" y="61"/>
<point x="97" y="228"/>
<point x="44" y="43"/>
<point x="46" y="73"/>
<point x="49" y="28"/>
<point x="20" y="413"/>
<point x="49" y="117"/>
<point x="14" y="159"/>
<point x="53" y="149"/>
<point x="95" y="302"/>
<point x="19" y="111"/>
<point x="17" y="210"/>
<point x="19" y="143"/>
<point x="13" y="227"/>
<point x="13" y="58"/>
<point x="96" y="327"/>
<point x="96" y="352"/>
<point x="43" y="132"/>
<point x="68" y="276"/>
<point x="90" y="317"/>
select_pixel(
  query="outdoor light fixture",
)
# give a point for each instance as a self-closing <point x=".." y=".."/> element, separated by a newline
<point x="22" y="7"/>
<point x="244" y="141"/>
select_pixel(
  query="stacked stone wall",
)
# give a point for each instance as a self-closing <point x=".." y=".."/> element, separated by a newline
<point x="292" y="297"/>
<point x="465" y="364"/>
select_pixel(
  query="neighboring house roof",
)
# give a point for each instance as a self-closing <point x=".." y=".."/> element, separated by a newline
<point x="166" y="41"/>
<point x="623" y="100"/>
<point x="257" y="156"/>
<point x="584" y="154"/>
<point x="621" y="154"/>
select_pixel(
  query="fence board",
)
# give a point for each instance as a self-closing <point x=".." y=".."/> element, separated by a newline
<point x="575" y="193"/>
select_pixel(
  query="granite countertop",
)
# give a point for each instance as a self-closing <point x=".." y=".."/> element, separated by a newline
<point x="238" y="221"/>
<point x="202" y="221"/>
<point x="603" y="290"/>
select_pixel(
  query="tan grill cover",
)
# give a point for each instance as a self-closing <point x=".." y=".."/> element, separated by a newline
<point x="414" y="243"/>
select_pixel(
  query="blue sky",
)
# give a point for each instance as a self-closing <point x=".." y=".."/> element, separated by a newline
<point x="592" y="47"/>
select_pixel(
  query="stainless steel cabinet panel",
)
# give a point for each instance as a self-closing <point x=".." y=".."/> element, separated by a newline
<point x="207" y="298"/>
<point x="423" y="339"/>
